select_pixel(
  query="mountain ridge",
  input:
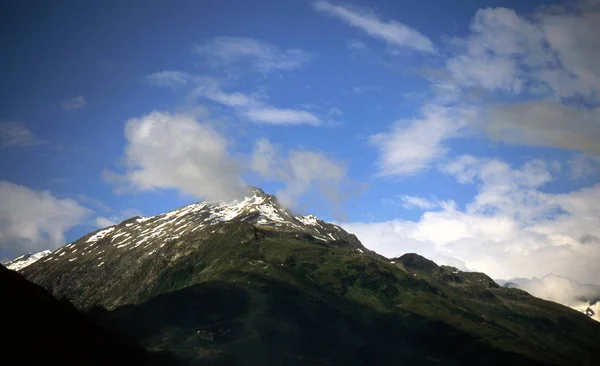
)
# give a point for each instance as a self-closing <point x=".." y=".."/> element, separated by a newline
<point x="307" y="293"/>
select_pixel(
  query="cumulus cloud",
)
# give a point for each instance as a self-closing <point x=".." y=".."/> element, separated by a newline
<point x="264" y="57"/>
<point x="302" y="171"/>
<point x="413" y="144"/>
<point x="255" y="109"/>
<point x="74" y="103"/>
<point x="549" y="60"/>
<point x="31" y="221"/>
<point x="13" y="134"/>
<point x="392" y="32"/>
<point x="170" y="151"/>
<point x="554" y="51"/>
<point x="511" y="228"/>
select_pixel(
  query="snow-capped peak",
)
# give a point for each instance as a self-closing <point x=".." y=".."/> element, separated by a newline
<point x="147" y="235"/>
<point x="26" y="260"/>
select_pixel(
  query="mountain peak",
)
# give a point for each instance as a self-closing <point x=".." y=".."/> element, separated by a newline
<point x="256" y="191"/>
<point x="417" y="262"/>
<point x="140" y="243"/>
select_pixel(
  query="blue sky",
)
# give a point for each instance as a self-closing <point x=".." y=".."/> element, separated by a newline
<point x="463" y="131"/>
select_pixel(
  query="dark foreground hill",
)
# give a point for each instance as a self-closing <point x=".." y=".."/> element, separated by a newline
<point x="41" y="330"/>
<point x="249" y="283"/>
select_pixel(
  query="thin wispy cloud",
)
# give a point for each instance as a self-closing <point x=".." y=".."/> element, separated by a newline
<point x="226" y="50"/>
<point x="302" y="171"/>
<point x="74" y="103"/>
<point x="583" y="166"/>
<point x="256" y="110"/>
<point x="410" y="202"/>
<point x="413" y="144"/>
<point x="169" y="78"/>
<point x="246" y="106"/>
<point x="13" y="134"/>
<point x="392" y="32"/>
<point x="355" y="44"/>
<point x="279" y="116"/>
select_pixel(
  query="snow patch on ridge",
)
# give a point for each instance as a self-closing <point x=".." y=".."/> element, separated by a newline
<point x="308" y="219"/>
<point x="26" y="260"/>
<point x="152" y="232"/>
<point x="100" y="234"/>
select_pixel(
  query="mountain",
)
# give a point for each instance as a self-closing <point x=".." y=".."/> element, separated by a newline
<point x="250" y="283"/>
<point x="26" y="260"/>
<point x="40" y="329"/>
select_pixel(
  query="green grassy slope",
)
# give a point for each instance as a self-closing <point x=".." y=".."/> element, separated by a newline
<point x="250" y="296"/>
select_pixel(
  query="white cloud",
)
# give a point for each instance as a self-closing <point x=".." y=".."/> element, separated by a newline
<point x="549" y="59"/>
<point x="392" y="32"/>
<point x="511" y="228"/>
<point x="414" y="144"/>
<point x="254" y="109"/>
<point x="166" y="151"/>
<point x="169" y="78"/>
<point x="31" y="221"/>
<point x="582" y="166"/>
<point x="559" y="289"/>
<point x="464" y="169"/>
<point x="226" y="50"/>
<point x="335" y="111"/>
<point x="554" y="52"/>
<point x="355" y="44"/>
<point x="490" y="73"/>
<point x="280" y="116"/>
<point x="13" y="134"/>
<point x="171" y="151"/>
<point x="246" y="106"/>
<point x="546" y="123"/>
<point x="417" y="202"/>
<point x="302" y="171"/>
<point x="74" y="103"/>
